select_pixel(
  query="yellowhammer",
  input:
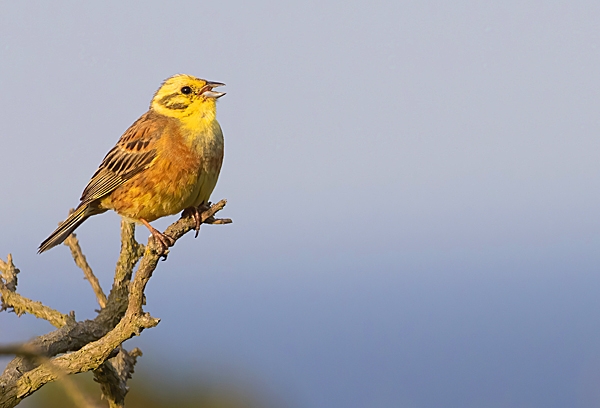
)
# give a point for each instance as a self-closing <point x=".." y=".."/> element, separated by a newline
<point x="167" y="161"/>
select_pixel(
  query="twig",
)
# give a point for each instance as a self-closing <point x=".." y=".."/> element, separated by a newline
<point x="131" y="252"/>
<point x="113" y="376"/>
<point x="93" y="342"/>
<point x="70" y="337"/>
<point x="10" y="299"/>
<point x="21" y="305"/>
<point x="92" y="355"/>
<point x="9" y="273"/>
<point x="72" y="390"/>
<point x="73" y="243"/>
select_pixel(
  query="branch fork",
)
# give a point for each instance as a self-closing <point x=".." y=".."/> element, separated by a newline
<point x="90" y="345"/>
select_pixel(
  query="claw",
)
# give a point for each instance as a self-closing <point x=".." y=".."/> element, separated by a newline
<point x="197" y="219"/>
<point x="195" y="212"/>
<point x="163" y="240"/>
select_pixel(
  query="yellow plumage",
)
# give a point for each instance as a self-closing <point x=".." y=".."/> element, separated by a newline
<point x="167" y="161"/>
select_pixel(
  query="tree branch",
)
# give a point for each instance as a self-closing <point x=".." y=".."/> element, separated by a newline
<point x="9" y="273"/>
<point x="73" y="243"/>
<point x="10" y="299"/>
<point x="90" y="344"/>
<point x="113" y="376"/>
<point x="21" y="305"/>
<point x="70" y="387"/>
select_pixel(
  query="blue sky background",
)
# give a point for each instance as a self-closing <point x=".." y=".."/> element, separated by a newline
<point x="414" y="188"/>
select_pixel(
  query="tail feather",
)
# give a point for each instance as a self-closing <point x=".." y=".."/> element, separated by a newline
<point x="65" y="229"/>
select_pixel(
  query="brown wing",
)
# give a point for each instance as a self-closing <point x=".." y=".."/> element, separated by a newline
<point x="132" y="154"/>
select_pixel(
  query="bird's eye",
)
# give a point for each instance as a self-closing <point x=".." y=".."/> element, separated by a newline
<point x="186" y="90"/>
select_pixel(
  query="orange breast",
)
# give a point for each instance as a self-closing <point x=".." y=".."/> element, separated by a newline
<point x="178" y="178"/>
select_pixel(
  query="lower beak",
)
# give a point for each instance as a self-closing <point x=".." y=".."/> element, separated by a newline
<point x="209" y="93"/>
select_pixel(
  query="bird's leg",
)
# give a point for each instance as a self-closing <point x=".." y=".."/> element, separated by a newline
<point x="163" y="240"/>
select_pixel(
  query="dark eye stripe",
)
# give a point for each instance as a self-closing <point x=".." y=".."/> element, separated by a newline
<point x="178" y="106"/>
<point x="167" y="102"/>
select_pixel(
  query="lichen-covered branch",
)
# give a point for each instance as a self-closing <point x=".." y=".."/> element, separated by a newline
<point x="70" y="387"/>
<point x="96" y="345"/>
<point x="131" y="252"/>
<point x="10" y="299"/>
<point x="113" y="375"/>
<point x="9" y="273"/>
<point x="21" y="305"/>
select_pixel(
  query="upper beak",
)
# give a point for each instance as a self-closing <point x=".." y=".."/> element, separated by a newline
<point x="208" y="90"/>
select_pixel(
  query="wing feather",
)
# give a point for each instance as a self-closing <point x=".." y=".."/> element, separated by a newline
<point x="133" y="153"/>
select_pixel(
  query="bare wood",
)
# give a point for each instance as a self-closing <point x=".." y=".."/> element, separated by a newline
<point x="9" y="273"/>
<point x="73" y="243"/>
<point x="132" y="324"/>
<point x="131" y="252"/>
<point x="113" y="376"/>
<point x="70" y="387"/>
<point x="96" y="344"/>
<point x="10" y="299"/>
<point x="75" y="335"/>
<point x="21" y="305"/>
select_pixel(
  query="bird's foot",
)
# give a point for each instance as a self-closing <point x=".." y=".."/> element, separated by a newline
<point x="161" y="239"/>
<point x="164" y="241"/>
<point x="195" y="212"/>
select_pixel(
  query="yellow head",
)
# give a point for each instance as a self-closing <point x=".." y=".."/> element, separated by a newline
<point x="184" y="96"/>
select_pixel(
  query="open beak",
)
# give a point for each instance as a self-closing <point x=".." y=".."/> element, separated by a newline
<point x="208" y="92"/>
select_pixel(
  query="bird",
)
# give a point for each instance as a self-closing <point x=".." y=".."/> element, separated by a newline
<point x="167" y="161"/>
